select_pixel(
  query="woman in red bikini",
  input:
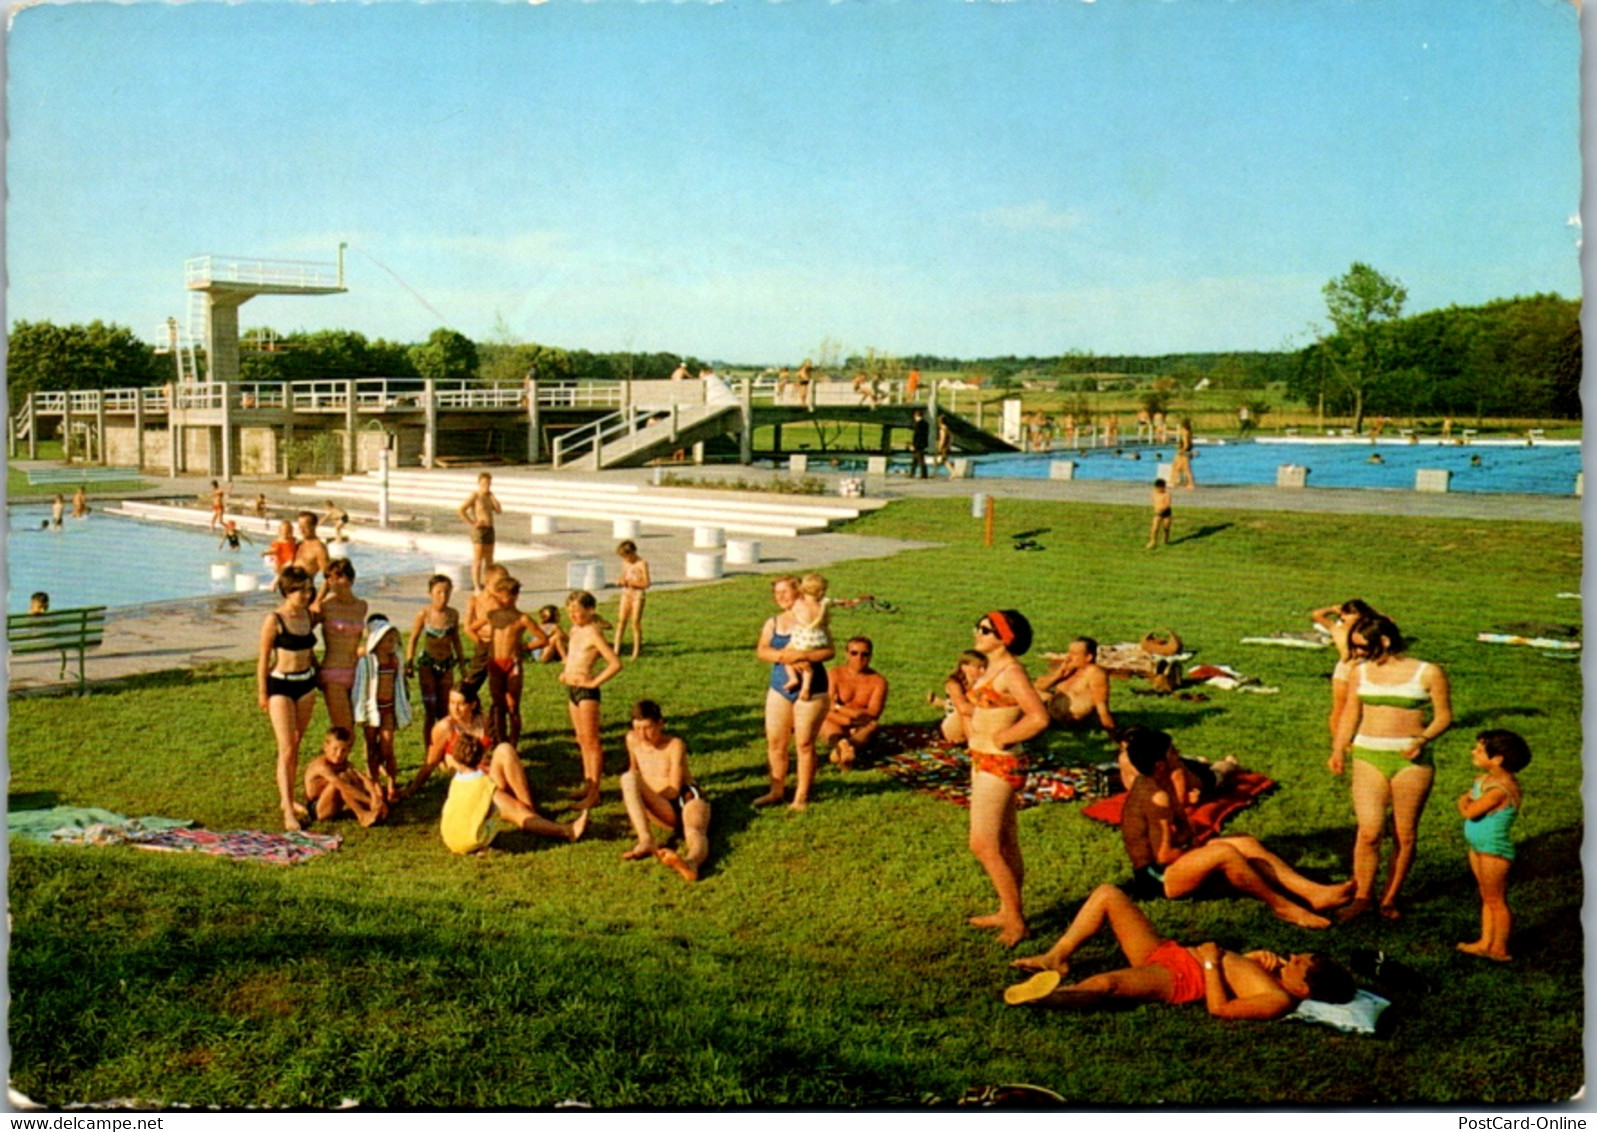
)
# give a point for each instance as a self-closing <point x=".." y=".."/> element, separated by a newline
<point x="1257" y="985"/>
<point x="1006" y="711"/>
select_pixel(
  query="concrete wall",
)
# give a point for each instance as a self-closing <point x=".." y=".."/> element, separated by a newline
<point x="196" y="458"/>
<point x="256" y="454"/>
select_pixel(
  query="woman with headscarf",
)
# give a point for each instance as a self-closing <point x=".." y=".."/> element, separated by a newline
<point x="1006" y="711"/>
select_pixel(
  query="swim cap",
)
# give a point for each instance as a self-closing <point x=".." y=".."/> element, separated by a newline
<point x="1013" y="629"/>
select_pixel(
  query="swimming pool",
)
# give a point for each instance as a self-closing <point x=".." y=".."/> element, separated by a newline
<point x="1545" y="469"/>
<point x="114" y="561"/>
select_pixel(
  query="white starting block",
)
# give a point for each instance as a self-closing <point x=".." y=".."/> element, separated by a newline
<point x="742" y="552"/>
<point x="545" y="525"/>
<point x="708" y="538"/>
<point x="704" y="565"/>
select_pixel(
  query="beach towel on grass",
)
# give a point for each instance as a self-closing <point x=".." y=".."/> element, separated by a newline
<point x="83" y="825"/>
<point x="1528" y="642"/>
<point x="242" y="844"/>
<point x="1239" y="791"/>
<point x="1306" y="640"/>
<point x="920" y="757"/>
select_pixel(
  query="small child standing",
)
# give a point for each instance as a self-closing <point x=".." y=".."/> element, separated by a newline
<point x="333" y="785"/>
<point x="812" y="629"/>
<point x="634" y="589"/>
<point x="507" y="647"/>
<point x="1489" y="809"/>
<point x="1161" y="515"/>
<point x="956" y="708"/>
<point x="380" y="700"/>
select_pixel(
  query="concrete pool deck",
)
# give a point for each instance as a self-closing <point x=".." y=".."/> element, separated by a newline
<point x="185" y="634"/>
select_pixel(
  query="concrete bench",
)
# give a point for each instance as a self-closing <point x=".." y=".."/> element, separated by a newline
<point x="62" y="630"/>
<point x="703" y="565"/>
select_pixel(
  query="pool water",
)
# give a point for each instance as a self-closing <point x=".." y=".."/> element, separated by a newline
<point x="115" y="561"/>
<point x="1542" y="470"/>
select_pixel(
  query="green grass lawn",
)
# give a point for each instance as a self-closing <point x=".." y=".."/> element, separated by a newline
<point x="17" y="485"/>
<point x="824" y="958"/>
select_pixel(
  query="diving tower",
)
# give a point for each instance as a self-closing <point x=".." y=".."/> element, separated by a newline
<point x="227" y="283"/>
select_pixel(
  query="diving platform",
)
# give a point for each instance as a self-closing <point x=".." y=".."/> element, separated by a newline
<point x="228" y="282"/>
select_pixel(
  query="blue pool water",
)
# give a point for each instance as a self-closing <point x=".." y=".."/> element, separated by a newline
<point x="115" y="561"/>
<point x="1542" y="470"/>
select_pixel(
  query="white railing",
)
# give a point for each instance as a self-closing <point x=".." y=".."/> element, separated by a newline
<point x="203" y="271"/>
<point x="589" y="437"/>
<point x="463" y="395"/>
<point x="833" y="393"/>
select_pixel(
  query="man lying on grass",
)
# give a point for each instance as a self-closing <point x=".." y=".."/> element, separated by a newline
<point x="1153" y="829"/>
<point x="1257" y="985"/>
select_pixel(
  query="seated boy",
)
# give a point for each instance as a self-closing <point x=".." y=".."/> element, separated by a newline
<point x="657" y="787"/>
<point x="333" y="785"/>
<point x="477" y="796"/>
<point x="1154" y="832"/>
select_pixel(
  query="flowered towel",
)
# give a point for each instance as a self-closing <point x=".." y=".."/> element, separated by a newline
<point x="242" y="844"/>
<point x="922" y="758"/>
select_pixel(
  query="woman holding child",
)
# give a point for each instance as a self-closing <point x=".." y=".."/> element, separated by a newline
<point x="1383" y="729"/>
<point x="788" y="715"/>
<point x="1005" y="712"/>
<point x="285" y="681"/>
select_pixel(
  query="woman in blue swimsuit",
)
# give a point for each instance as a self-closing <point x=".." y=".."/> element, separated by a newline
<point x="787" y="718"/>
<point x="1383" y="730"/>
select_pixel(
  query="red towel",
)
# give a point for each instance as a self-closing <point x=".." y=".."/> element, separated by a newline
<point x="1241" y="790"/>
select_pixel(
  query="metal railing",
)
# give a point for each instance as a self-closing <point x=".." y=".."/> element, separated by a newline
<point x="206" y="270"/>
<point x="591" y="436"/>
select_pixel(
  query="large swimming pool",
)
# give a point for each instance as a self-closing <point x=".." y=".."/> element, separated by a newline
<point x="1518" y="468"/>
<point x="114" y="561"/>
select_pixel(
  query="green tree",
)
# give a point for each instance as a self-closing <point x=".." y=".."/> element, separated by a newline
<point x="44" y="356"/>
<point x="447" y="355"/>
<point x="1360" y="303"/>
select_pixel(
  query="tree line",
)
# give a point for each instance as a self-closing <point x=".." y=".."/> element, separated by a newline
<point x="1510" y="357"/>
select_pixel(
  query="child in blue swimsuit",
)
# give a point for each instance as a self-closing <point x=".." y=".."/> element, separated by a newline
<point x="1489" y="809"/>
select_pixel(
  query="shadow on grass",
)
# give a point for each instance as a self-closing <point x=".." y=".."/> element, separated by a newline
<point x="32" y="800"/>
<point x="1488" y="715"/>
<point x="1202" y="532"/>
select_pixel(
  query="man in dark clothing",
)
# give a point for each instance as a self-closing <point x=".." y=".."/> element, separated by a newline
<point x="920" y="437"/>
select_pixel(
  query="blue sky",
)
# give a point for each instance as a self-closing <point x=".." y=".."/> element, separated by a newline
<point x="743" y="180"/>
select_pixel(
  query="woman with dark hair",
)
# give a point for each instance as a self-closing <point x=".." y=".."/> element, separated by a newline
<point x="285" y="681"/>
<point x="1384" y="730"/>
<point x="343" y="617"/>
<point x="788" y="717"/>
<point x="1005" y="712"/>
<point x="1336" y="621"/>
<point x="1258" y="985"/>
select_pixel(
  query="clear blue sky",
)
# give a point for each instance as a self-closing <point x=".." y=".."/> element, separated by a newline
<point x="742" y="180"/>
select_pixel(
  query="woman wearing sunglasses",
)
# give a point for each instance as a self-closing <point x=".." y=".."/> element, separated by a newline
<point x="1006" y="711"/>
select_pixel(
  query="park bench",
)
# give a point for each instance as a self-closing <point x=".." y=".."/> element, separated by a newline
<point x="60" y="630"/>
<point x="81" y="474"/>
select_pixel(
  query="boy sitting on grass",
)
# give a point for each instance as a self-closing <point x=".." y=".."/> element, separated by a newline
<point x="332" y="785"/>
<point x="658" y="788"/>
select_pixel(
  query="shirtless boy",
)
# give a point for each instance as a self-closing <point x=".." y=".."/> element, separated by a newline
<point x="1076" y="691"/>
<point x="218" y="503"/>
<point x="478" y="512"/>
<point x="585" y="644"/>
<point x="859" y="693"/>
<point x="80" y="506"/>
<point x="509" y="629"/>
<point x="333" y="785"/>
<point x="658" y="788"/>
<point x="1161" y="515"/>
<point x="311" y="555"/>
<point x="481" y="602"/>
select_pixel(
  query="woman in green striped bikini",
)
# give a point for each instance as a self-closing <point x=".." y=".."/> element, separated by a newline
<point x="1383" y="729"/>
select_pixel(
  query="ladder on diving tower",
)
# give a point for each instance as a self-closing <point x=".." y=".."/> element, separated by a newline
<point x="179" y="338"/>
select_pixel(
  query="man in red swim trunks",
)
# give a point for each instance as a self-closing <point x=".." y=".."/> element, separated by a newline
<point x="1258" y="985"/>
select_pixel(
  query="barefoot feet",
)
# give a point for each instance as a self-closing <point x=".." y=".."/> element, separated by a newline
<point x="638" y="852"/>
<point x="1333" y="896"/>
<point x="670" y="860"/>
<point x="768" y="799"/>
<point x="1301" y="916"/>
<point x="580" y="826"/>
<point x="1480" y="949"/>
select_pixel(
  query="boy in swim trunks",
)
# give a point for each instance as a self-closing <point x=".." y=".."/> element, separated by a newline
<point x="1259" y="985"/>
<point x="658" y="788"/>
<point x="1154" y="831"/>
<point x="1161" y="515"/>
<point x="586" y="644"/>
<point x="477" y="796"/>
<point x="479" y="511"/>
<point x="509" y="629"/>
<point x="332" y="784"/>
<point x="218" y="503"/>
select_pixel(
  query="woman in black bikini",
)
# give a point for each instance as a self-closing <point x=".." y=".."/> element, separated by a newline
<point x="285" y="681"/>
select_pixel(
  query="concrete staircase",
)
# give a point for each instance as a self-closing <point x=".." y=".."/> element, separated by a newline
<point x="746" y="513"/>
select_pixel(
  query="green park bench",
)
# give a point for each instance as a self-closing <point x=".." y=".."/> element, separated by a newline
<point x="84" y="474"/>
<point x="61" y="630"/>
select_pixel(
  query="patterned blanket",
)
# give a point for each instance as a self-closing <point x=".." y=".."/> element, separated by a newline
<point x="242" y="844"/>
<point x="920" y="756"/>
